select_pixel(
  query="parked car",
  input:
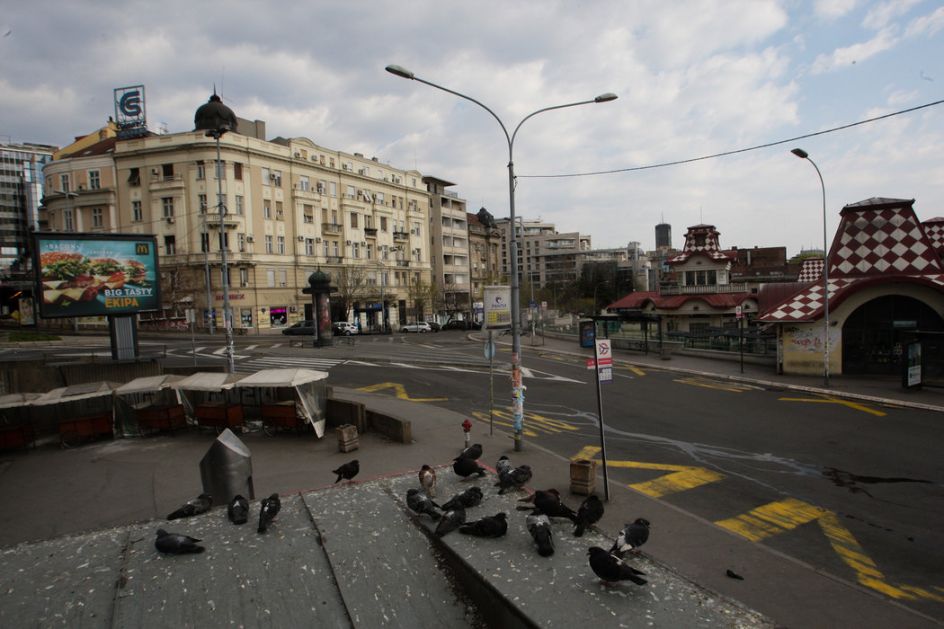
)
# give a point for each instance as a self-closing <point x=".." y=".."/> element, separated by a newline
<point x="344" y="328"/>
<point x="306" y="327"/>
<point x="458" y="324"/>
<point x="420" y="326"/>
<point x="435" y="327"/>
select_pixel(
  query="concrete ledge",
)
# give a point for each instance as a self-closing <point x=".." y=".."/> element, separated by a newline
<point x="400" y="430"/>
<point x="341" y="412"/>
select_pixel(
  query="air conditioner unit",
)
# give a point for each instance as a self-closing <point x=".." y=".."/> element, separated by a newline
<point x="155" y="172"/>
<point x="243" y="284"/>
<point x="170" y="220"/>
<point x="249" y="239"/>
<point x="348" y="242"/>
<point x="301" y="239"/>
<point x="297" y="154"/>
<point x="317" y="239"/>
<point x="363" y="243"/>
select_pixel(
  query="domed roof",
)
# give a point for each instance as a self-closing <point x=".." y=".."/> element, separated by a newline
<point x="214" y="116"/>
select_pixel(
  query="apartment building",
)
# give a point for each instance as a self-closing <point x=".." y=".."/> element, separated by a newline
<point x="290" y="207"/>
<point x="545" y="257"/>
<point x="449" y="247"/>
<point x="485" y="268"/>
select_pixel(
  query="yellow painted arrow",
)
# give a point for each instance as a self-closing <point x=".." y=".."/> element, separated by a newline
<point x="830" y="400"/>
<point x="786" y="515"/>
<point x="680" y="478"/>
<point x="714" y="384"/>
<point x="400" y="392"/>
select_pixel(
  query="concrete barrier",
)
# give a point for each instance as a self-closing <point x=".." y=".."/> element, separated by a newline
<point x="341" y="412"/>
<point x="400" y="430"/>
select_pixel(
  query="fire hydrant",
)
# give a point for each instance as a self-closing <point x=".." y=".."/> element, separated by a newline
<point x="467" y="429"/>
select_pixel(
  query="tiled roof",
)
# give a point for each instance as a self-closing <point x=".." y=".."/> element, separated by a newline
<point x="811" y="270"/>
<point x="710" y="246"/>
<point x="934" y="228"/>
<point x="718" y="301"/>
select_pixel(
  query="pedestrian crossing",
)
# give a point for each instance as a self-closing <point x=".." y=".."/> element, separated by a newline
<point x="284" y="362"/>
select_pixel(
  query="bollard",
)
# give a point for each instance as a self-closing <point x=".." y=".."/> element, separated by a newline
<point x="226" y="469"/>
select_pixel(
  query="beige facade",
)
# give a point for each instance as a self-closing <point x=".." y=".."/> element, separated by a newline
<point x="485" y="267"/>
<point x="291" y="207"/>
<point x="545" y="257"/>
<point x="449" y="247"/>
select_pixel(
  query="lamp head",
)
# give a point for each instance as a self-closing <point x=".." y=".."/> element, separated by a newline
<point x="605" y="98"/>
<point x="800" y="153"/>
<point x="400" y="71"/>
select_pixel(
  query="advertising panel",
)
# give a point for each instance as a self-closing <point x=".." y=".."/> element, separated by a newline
<point x="497" y="307"/>
<point x="88" y="275"/>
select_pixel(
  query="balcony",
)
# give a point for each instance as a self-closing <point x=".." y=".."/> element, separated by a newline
<point x="398" y="235"/>
<point x="370" y="232"/>
<point x="169" y="182"/>
<point x="705" y="289"/>
<point x="334" y="259"/>
<point x="331" y="228"/>
<point x="403" y="263"/>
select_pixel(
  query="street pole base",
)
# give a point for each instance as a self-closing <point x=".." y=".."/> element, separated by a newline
<point x="519" y="446"/>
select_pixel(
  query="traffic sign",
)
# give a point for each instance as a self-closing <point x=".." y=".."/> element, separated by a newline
<point x="604" y="352"/>
<point x="605" y="374"/>
<point x="489" y="349"/>
<point x="591" y="363"/>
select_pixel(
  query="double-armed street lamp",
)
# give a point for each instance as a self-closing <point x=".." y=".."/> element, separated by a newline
<point x="517" y="389"/>
<point x="804" y="155"/>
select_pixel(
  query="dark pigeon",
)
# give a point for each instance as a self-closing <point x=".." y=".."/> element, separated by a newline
<point x="471" y="497"/>
<point x="611" y="568"/>
<point x="540" y="528"/>
<point x="176" y="544"/>
<point x="238" y="510"/>
<point x="473" y="452"/>
<point x="631" y="537"/>
<point x="267" y="512"/>
<point x="590" y="512"/>
<point x="420" y="503"/>
<point x="494" y="526"/>
<point x="450" y="521"/>
<point x="466" y="467"/>
<point x="347" y="471"/>
<point x="200" y="504"/>
<point x="549" y="503"/>
<point x="515" y="479"/>
<point x="503" y="465"/>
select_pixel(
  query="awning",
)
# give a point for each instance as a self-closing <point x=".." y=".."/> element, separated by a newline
<point x="281" y="378"/>
<point x="12" y="400"/>
<point x="76" y="392"/>
<point x="208" y="381"/>
<point x="148" y="384"/>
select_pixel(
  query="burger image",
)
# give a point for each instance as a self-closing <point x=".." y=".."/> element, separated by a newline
<point x="135" y="271"/>
<point x="104" y="266"/>
<point x="58" y="266"/>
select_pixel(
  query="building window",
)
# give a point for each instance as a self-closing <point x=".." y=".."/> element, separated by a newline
<point x="322" y="186"/>
<point x="279" y="214"/>
<point x="266" y="176"/>
<point x="383" y="224"/>
<point x="277" y="178"/>
<point x="64" y="182"/>
<point x="201" y="170"/>
<point x="369" y="252"/>
<point x="96" y="217"/>
<point x="267" y="209"/>
<point x="309" y="246"/>
<point x="243" y="276"/>
<point x="356" y="250"/>
<point x="167" y="203"/>
<point x="282" y="245"/>
<point x="270" y="278"/>
<point x="349" y="192"/>
<point x="202" y="200"/>
<point x="353" y="220"/>
<point x="223" y="242"/>
<point x="283" y="282"/>
<point x="134" y="177"/>
<point x="333" y="187"/>
<point x="304" y="184"/>
<point x="136" y="215"/>
<point x="324" y="247"/>
<point x="170" y="245"/>
<point x="95" y="180"/>
<point x="205" y="242"/>
<point x="237" y="171"/>
<point x="241" y="242"/>
<point x="239" y="205"/>
<point x="268" y="244"/>
<point x="337" y="249"/>
<point x="308" y="214"/>
<point x="67" y="224"/>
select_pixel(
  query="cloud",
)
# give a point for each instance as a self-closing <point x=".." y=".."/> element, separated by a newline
<point x="833" y="9"/>
<point x="842" y="58"/>
<point x="881" y="14"/>
<point x="928" y="25"/>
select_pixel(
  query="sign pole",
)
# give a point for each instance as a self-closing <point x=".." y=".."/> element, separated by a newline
<point x="491" y="386"/>
<point x="608" y="359"/>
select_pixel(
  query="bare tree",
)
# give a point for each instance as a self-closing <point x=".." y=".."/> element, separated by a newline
<point x="352" y="286"/>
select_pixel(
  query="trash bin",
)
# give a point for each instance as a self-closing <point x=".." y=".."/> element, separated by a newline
<point x="226" y="469"/>
<point x="583" y="477"/>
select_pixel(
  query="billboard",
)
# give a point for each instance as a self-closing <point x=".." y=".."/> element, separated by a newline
<point x="130" y="114"/>
<point x="89" y="275"/>
<point x="497" y="307"/>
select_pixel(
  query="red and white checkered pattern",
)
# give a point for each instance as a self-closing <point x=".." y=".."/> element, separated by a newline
<point x="934" y="228"/>
<point x="811" y="270"/>
<point x="710" y="246"/>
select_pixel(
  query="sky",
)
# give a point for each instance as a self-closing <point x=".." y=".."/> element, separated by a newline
<point x="693" y="78"/>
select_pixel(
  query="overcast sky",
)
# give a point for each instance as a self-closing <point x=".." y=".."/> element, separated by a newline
<point x="693" y="78"/>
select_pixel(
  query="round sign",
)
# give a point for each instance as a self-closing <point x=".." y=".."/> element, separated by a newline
<point x="489" y="349"/>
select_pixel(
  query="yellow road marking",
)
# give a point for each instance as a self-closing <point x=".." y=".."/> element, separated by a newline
<point x="712" y="384"/>
<point x="483" y="417"/>
<point x="531" y="420"/>
<point x="786" y="515"/>
<point x="400" y="392"/>
<point x="636" y="370"/>
<point x="681" y="478"/>
<point x="830" y="400"/>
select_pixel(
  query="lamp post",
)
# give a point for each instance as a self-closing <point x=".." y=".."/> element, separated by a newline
<point x="70" y="195"/>
<point x="517" y="389"/>
<point x="804" y="155"/>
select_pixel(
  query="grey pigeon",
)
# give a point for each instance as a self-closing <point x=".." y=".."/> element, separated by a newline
<point x="420" y="503"/>
<point x="267" y="512"/>
<point x="548" y="502"/>
<point x="200" y="504"/>
<point x="473" y="452"/>
<point x="631" y="537"/>
<point x="494" y="526"/>
<point x="347" y="471"/>
<point x="466" y="467"/>
<point x="515" y="479"/>
<point x="471" y="497"/>
<point x="176" y="544"/>
<point x="238" y="510"/>
<point x="611" y="568"/>
<point x="540" y="528"/>
<point x="503" y="465"/>
<point x="450" y="521"/>
<point x="589" y="513"/>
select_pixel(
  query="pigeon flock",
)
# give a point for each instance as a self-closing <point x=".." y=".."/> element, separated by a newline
<point x="543" y="506"/>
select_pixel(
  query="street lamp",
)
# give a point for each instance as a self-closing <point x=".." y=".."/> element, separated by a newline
<point x="517" y="389"/>
<point x="804" y="155"/>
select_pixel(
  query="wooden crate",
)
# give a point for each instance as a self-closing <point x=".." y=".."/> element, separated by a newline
<point x="348" y="439"/>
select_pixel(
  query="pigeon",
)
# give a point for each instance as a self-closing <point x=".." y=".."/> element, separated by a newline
<point x="176" y="544"/>
<point x="238" y="510"/>
<point x="494" y="526"/>
<point x="516" y="478"/>
<point x="540" y="528"/>
<point x="450" y="521"/>
<point x="631" y="537"/>
<point x="471" y="497"/>
<point x="420" y="503"/>
<point x="503" y="465"/>
<point x="347" y="471"/>
<point x="428" y="480"/>
<point x="549" y="503"/>
<point x="590" y="512"/>
<point x="200" y="504"/>
<point x="611" y="568"/>
<point x="733" y="575"/>
<point x="466" y="467"/>
<point x="268" y="511"/>
<point x="473" y="452"/>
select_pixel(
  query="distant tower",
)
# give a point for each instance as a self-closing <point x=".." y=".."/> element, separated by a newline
<point x="663" y="236"/>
